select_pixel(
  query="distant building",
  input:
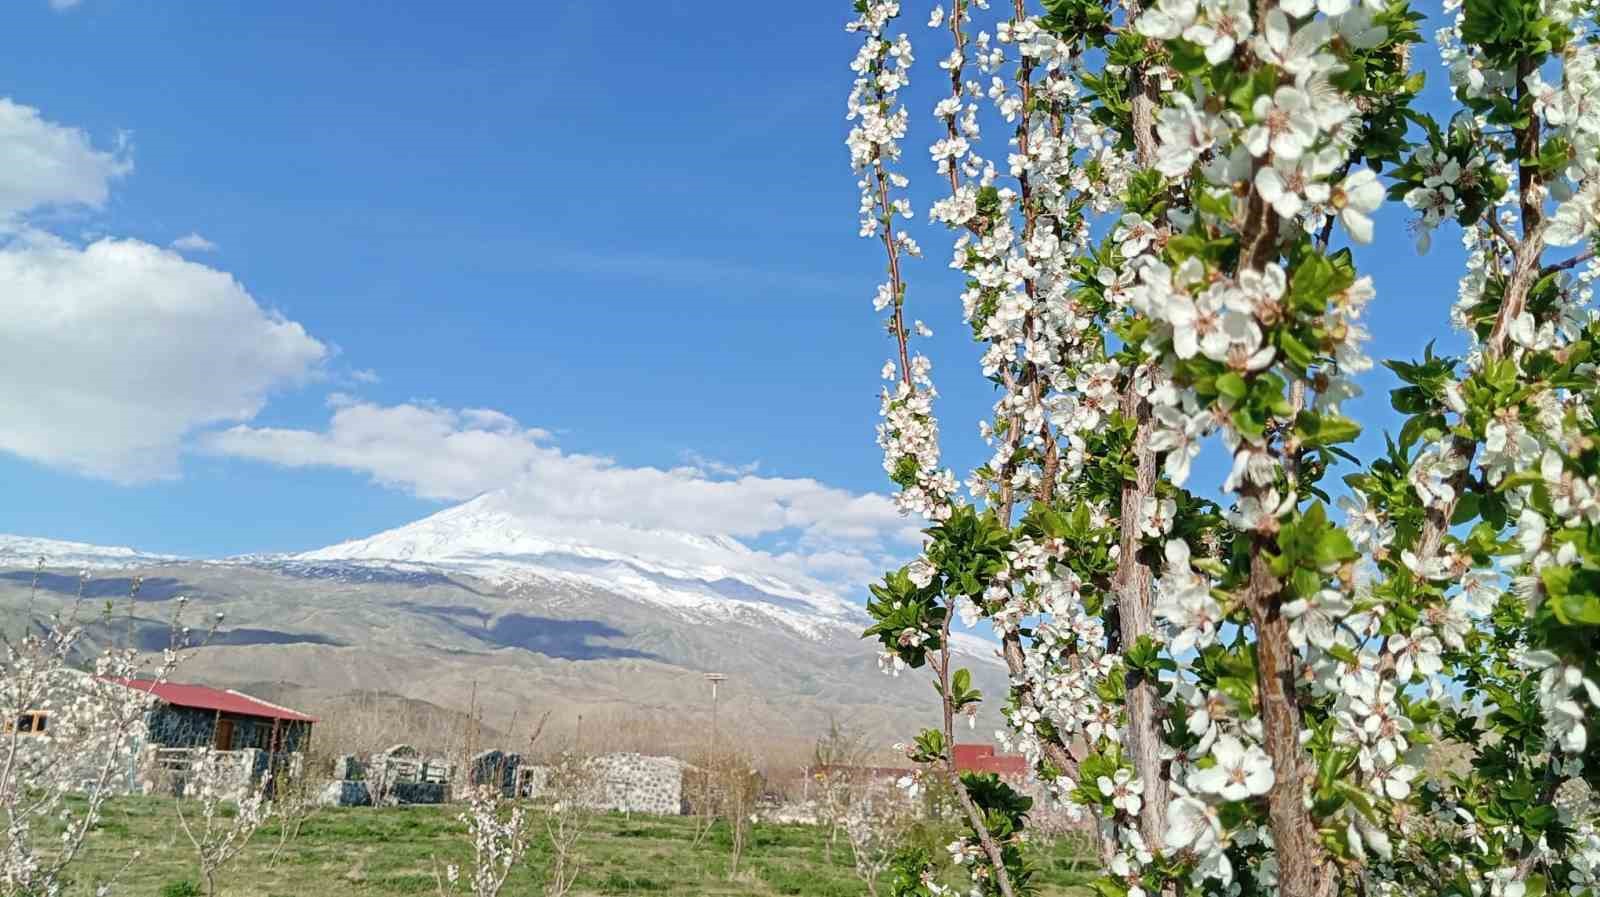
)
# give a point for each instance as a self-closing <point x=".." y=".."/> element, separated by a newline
<point x="193" y="716"/>
<point x="982" y="758"/>
<point x="261" y="740"/>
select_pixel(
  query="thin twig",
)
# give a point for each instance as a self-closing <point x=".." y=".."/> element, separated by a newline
<point x="1512" y="243"/>
<point x="1569" y="264"/>
<point x="991" y="848"/>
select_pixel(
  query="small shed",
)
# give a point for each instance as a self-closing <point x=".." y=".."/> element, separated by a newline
<point x="192" y="716"/>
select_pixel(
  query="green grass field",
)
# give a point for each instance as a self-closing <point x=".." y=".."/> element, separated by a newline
<point x="393" y="851"/>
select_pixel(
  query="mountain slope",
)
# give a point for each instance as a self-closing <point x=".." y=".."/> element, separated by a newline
<point x="472" y="606"/>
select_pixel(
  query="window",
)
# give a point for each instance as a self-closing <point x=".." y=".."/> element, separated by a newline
<point x="30" y="723"/>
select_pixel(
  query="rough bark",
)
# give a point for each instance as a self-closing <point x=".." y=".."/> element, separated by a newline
<point x="1304" y="869"/>
<point x="1134" y="582"/>
<point x="1136" y="616"/>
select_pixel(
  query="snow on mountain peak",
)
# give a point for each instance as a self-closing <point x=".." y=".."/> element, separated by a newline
<point x="25" y="551"/>
<point x="491" y="538"/>
<point x="703" y="577"/>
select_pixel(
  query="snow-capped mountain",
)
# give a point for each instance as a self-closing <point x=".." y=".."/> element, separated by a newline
<point x="25" y="551"/>
<point x="690" y="574"/>
<point x="486" y="603"/>
<point x="694" y="579"/>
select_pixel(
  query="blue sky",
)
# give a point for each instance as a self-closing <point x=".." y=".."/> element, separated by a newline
<point x="628" y="226"/>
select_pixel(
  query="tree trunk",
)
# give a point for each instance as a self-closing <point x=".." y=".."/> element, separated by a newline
<point x="1136" y="617"/>
<point x="1303" y="866"/>
<point x="1134" y="582"/>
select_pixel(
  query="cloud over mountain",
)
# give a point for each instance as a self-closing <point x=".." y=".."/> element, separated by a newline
<point x="120" y="356"/>
<point x="802" y="527"/>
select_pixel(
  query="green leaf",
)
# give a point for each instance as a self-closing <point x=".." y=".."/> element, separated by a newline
<point x="1317" y="430"/>
<point x="1297" y="352"/>
<point x="1232" y="385"/>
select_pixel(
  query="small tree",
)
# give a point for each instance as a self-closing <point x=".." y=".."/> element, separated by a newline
<point x="232" y="805"/>
<point x="295" y="800"/>
<point x="875" y="824"/>
<point x="499" y="831"/>
<point x="741" y="789"/>
<point x="92" y="723"/>
<point x="835" y="766"/>
<point x="570" y="789"/>
<point x="725" y="785"/>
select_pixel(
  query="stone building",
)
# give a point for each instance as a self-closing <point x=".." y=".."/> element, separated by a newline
<point x="621" y="782"/>
<point x="256" y="741"/>
<point x="635" y="783"/>
<point x="191" y="716"/>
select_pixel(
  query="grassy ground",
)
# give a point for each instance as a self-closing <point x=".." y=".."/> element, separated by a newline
<point x="381" y="852"/>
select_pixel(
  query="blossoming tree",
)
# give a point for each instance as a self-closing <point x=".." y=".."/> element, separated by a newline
<point x="1162" y="250"/>
<point x="96" y="724"/>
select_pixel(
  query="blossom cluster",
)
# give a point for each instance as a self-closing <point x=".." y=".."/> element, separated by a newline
<point x="1246" y="693"/>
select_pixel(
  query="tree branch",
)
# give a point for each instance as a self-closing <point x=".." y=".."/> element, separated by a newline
<point x="1512" y="243"/>
<point x="1525" y="272"/>
<point x="1569" y="264"/>
<point x="991" y="848"/>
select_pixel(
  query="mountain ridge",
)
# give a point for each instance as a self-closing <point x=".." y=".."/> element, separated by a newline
<point x="465" y="605"/>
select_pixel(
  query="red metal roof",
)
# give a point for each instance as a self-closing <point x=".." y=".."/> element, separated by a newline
<point x="982" y="758"/>
<point x="225" y="700"/>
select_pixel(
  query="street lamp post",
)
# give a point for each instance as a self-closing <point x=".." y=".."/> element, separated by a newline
<point x="715" y="679"/>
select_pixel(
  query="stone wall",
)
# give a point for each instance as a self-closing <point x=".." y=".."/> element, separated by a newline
<point x="172" y="771"/>
<point x="43" y="758"/>
<point x="624" y="783"/>
<point x="634" y="783"/>
<point x="627" y="783"/>
<point x="183" y="727"/>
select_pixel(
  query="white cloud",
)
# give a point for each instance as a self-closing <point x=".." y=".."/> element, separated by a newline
<point x="713" y="467"/>
<point x="448" y="455"/>
<point x="426" y="450"/>
<point x="64" y="5"/>
<point x="44" y="165"/>
<point x="113" y="353"/>
<point x="193" y="242"/>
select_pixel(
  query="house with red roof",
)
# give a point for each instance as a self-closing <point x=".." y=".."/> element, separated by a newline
<point x="262" y="739"/>
<point x="193" y="716"/>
